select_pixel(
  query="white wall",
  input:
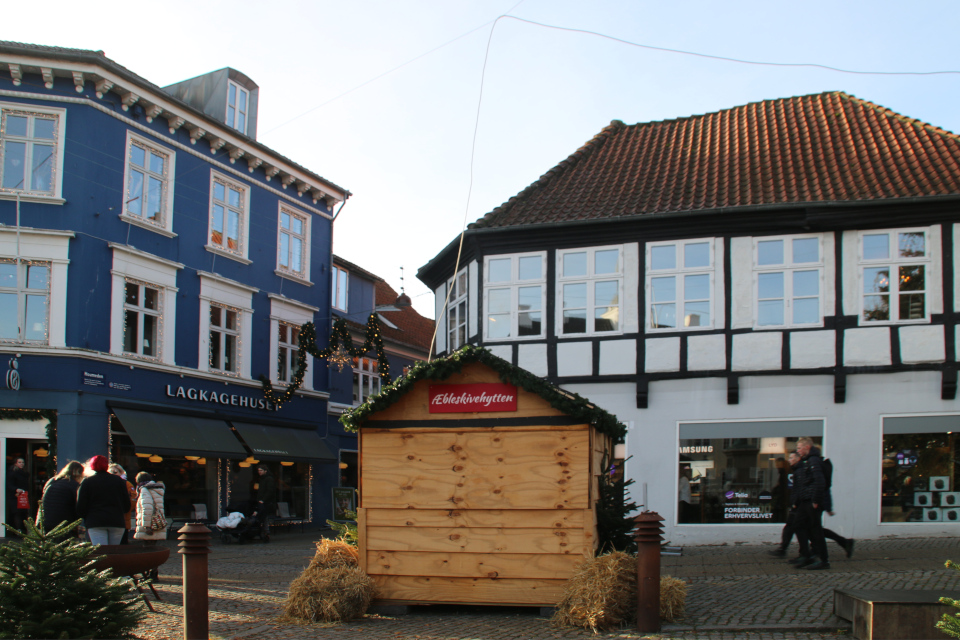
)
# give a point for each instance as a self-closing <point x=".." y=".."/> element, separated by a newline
<point x="852" y="440"/>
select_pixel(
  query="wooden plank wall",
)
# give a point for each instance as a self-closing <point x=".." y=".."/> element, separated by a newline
<point x="482" y="516"/>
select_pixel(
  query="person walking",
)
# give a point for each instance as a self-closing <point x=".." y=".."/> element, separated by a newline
<point x="117" y="470"/>
<point x="18" y="485"/>
<point x="149" y="504"/>
<point x="102" y="499"/>
<point x="810" y="498"/>
<point x="266" y="500"/>
<point x="59" y="500"/>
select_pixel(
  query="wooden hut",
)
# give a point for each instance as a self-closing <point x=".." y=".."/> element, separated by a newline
<point x="478" y="483"/>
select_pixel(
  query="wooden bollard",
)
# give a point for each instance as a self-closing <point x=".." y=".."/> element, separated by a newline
<point x="195" y="547"/>
<point x="649" y="536"/>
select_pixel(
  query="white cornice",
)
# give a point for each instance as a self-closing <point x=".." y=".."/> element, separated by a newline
<point x="159" y="104"/>
<point x="38" y="232"/>
<point x="125" y="248"/>
<point x="216" y="277"/>
<point x="296" y="303"/>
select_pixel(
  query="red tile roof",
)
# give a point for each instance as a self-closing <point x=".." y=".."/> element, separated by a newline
<point x="412" y="329"/>
<point x="820" y="148"/>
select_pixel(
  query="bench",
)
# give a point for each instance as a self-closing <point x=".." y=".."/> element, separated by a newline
<point x="892" y="614"/>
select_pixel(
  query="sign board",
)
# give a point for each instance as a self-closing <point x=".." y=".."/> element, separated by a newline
<point x="472" y="398"/>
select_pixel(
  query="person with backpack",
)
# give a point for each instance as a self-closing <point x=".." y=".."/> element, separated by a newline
<point x="809" y="500"/>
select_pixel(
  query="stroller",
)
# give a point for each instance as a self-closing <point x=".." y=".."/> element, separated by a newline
<point x="240" y="526"/>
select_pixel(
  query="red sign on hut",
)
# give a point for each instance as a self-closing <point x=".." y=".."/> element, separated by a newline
<point x="472" y="398"/>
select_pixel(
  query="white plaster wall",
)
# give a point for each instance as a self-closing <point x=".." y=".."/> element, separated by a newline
<point x="852" y="440"/>
<point x="757" y="351"/>
<point x="574" y="359"/>
<point x="813" y="349"/>
<point x="618" y="357"/>
<point x="706" y="353"/>
<point x="504" y="351"/>
<point x="866" y="347"/>
<point x="533" y="358"/>
<point x="741" y="277"/>
<point x="631" y="285"/>
<point x="922" y="343"/>
<point x="662" y="354"/>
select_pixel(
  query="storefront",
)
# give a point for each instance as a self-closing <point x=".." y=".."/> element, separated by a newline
<point x="26" y="439"/>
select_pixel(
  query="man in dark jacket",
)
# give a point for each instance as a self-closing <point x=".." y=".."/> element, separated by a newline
<point x="266" y="500"/>
<point x="809" y="500"/>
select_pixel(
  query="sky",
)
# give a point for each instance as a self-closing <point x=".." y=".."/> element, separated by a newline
<point x="434" y="112"/>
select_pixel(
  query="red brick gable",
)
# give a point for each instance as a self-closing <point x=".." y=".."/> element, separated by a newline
<point x="827" y="147"/>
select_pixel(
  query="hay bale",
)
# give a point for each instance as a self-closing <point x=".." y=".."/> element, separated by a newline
<point x="602" y="594"/>
<point x="333" y="588"/>
<point x="673" y="598"/>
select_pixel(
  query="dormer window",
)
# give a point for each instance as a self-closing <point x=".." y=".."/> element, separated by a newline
<point x="237" y="100"/>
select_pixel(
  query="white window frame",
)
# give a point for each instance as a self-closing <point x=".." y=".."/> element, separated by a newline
<point x="590" y="279"/>
<point x="336" y="290"/>
<point x="788" y="267"/>
<point x="514" y="284"/>
<point x="141" y="311"/>
<point x="21" y="292"/>
<point x="299" y="272"/>
<point x="458" y="310"/>
<point x="284" y="310"/>
<point x="224" y="331"/>
<point x="44" y="245"/>
<point x="233" y="295"/>
<point x="130" y="264"/>
<point x="893" y="264"/>
<point x="56" y="178"/>
<point x="164" y="225"/>
<point x="231" y="122"/>
<point x="680" y="272"/>
<point x="366" y="379"/>
<point x="240" y="254"/>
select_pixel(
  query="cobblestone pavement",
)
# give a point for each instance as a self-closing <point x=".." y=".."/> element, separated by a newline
<point x="734" y="592"/>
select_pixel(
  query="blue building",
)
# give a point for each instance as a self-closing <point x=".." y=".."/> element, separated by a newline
<point x="155" y="260"/>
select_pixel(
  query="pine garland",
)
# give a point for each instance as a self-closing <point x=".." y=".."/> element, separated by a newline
<point x="442" y="368"/>
<point x="339" y="337"/>
<point x="40" y="414"/>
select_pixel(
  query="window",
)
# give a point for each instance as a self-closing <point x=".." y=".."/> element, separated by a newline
<point x="457" y="311"/>
<point x="291" y="251"/>
<point x="893" y="267"/>
<point x="590" y="285"/>
<point x="680" y="285"/>
<point x="919" y="474"/>
<point x="339" y="297"/>
<point x="237" y="100"/>
<point x="224" y="336"/>
<point x="228" y="219"/>
<point x="24" y="301"/>
<point x="366" y="379"/>
<point x="29" y="152"/>
<point x="288" y="344"/>
<point x="788" y="273"/>
<point x="142" y="319"/>
<point x="514" y="289"/>
<point x="148" y="182"/>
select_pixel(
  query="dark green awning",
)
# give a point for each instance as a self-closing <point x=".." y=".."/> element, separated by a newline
<point x="283" y="443"/>
<point x="171" y="434"/>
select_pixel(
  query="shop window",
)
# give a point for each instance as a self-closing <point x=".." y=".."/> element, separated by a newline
<point x="730" y="473"/>
<point x="293" y="486"/>
<point x="787" y="279"/>
<point x="24" y="301"/>
<point x="680" y="285"/>
<point x="457" y="311"/>
<point x="514" y="290"/>
<point x="288" y="344"/>
<point x="919" y="470"/>
<point x="590" y="283"/>
<point x="366" y="379"/>
<point x="893" y="266"/>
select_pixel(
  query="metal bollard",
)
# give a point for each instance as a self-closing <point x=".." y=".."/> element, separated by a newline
<point x="195" y="547"/>
<point x="649" y="536"/>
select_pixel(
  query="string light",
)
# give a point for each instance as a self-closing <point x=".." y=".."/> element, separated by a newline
<point x="340" y="357"/>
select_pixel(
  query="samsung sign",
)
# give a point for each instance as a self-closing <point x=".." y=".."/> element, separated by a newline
<point x="226" y="399"/>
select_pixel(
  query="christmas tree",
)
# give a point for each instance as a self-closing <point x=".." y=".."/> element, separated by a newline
<point x="950" y="622"/>
<point x="48" y="591"/>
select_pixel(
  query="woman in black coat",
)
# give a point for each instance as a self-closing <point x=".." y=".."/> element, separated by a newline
<point x="59" y="502"/>
<point x="101" y="501"/>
